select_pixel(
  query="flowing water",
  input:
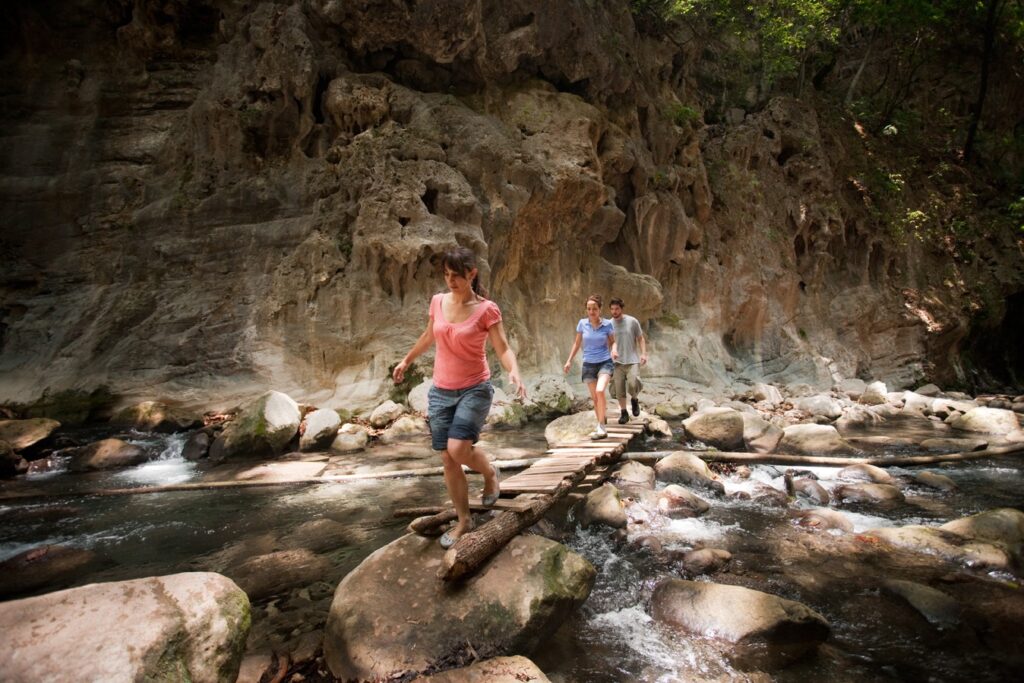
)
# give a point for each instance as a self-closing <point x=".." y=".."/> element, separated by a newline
<point x="612" y="637"/>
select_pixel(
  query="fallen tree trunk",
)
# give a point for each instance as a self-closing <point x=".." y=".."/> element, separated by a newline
<point x="206" y="485"/>
<point x="430" y="525"/>
<point x="473" y="548"/>
<point x="826" y="461"/>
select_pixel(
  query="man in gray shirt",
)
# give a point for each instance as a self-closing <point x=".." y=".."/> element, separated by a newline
<point x="629" y="337"/>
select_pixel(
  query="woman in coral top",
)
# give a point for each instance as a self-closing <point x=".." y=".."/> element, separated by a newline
<point x="461" y="321"/>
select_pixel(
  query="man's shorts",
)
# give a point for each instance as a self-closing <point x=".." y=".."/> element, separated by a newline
<point x="591" y="371"/>
<point x="626" y="380"/>
<point x="458" y="413"/>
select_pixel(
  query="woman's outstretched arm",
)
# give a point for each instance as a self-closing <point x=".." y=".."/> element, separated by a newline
<point x="421" y="345"/>
<point x="507" y="357"/>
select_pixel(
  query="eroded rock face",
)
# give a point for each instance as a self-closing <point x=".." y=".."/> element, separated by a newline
<point x="391" y="614"/>
<point x="189" y="626"/>
<point x="765" y="629"/>
<point x="299" y="165"/>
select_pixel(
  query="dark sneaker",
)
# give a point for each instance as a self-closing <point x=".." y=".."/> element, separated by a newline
<point x="635" y="404"/>
<point x="623" y="418"/>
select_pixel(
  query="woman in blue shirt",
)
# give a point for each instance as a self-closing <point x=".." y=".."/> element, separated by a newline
<point x="596" y="336"/>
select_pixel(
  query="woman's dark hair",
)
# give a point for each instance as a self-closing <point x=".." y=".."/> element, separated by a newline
<point x="596" y="298"/>
<point x="462" y="260"/>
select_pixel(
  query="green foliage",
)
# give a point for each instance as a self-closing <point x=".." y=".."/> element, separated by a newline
<point x="413" y="377"/>
<point x="1016" y="212"/>
<point x="682" y="115"/>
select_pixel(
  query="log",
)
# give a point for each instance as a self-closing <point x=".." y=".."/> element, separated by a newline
<point x="473" y="548"/>
<point x="424" y="526"/>
<point x="825" y="461"/>
<point x="207" y="485"/>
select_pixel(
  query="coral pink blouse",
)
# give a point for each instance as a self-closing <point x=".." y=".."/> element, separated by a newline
<point x="461" y="360"/>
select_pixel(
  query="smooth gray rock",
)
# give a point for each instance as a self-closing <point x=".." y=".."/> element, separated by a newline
<point x="718" y="427"/>
<point x="181" y="627"/>
<point x="321" y="428"/>
<point x="603" y="506"/>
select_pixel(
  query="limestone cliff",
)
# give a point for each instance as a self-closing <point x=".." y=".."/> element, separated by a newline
<point x="204" y="199"/>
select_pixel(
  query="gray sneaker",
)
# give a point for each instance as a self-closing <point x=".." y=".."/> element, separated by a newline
<point x="598" y="433"/>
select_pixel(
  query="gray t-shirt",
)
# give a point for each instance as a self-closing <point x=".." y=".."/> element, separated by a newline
<point x="627" y="335"/>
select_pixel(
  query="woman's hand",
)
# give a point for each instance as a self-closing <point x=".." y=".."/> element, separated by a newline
<point x="398" y="374"/>
<point x="565" y="368"/>
<point x="517" y="382"/>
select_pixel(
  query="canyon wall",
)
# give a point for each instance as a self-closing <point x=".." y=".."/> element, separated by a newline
<point x="201" y="200"/>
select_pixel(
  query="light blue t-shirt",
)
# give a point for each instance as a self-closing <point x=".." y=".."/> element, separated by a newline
<point x="595" y="342"/>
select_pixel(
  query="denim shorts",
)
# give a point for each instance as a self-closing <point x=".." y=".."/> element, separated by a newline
<point x="458" y="413"/>
<point x="591" y="371"/>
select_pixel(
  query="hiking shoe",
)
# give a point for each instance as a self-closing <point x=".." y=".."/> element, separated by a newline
<point x="635" y="404"/>
<point x="623" y="418"/>
<point x="598" y="433"/>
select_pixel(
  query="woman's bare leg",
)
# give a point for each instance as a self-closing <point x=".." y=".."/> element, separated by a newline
<point x="599" y="398"/>
<point x="461" y="452"/>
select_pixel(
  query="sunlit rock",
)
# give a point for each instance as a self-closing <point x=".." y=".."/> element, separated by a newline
<point x="570" y="428"/>
<point x="263" y="428"/>
<point x="633" y="474"/>
<point x="759" y="435"/>
<point x="765" y="630"/>
<point x="867" y="493"/>
<point x="22" y="434"/>
<point x="812" y="439"/>
<point x="181" y="627"/>
<point x="392" y="616"/>
<point x="321" y="428"/>
<point x="704" y="561"/>
<point x="603" y="506"/>
<point x="851" y="387"/>
<point x="822" y="518"/>
<point x="945" y="545"/>
<point x="875" y="393"/>
<point x="549" y="397"/>
<point x="1002" y="525"/>
<point x="821" y="404"/>
<point x="865" y="472"/>
<point x="939" y="609"/>
<point x="953" y="445"/>
<point x="718" y="427"/>
<point x="155" y="416"/>
<point x="405" y="428"/>
<point x="987" y="421"/>
<point x="933" y="480"/>
<point x="677" y="502"/>
<point x="766" y="392"/>
<point x="351" y="438"/>
<point x="683" y="467"/>
<point x="385" y="413"/>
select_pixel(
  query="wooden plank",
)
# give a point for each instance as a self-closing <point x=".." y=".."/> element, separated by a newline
<point x="513" y="504"/>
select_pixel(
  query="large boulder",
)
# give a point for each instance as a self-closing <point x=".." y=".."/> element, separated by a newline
<point x="22" y="434"/>
<point x="603" y="506"/>
<point x="813" y="439"/>
<point x="718" y="427"/>
<point x="182" y="627"/>
<point x="916" y="404"/>
<point x="683" y="467"/>
<point x="154" y="416"/>
<point x="759" y="435"/>
<point x="865" y="472"/>
<point x="851" y="387"/>
<point x="765" y="630"/>
<point x="419" y="397"/>
<point x="386" y="413"/>
<point x="570" y="428"/>
<point x="197" y="446"/>
<point x="321" y="428"/>
<point x="550" y="396"/>
<point x="953" y="445"/>
<point x="106" y="454"/>
<point x="987" y="421"/>
<point x="263" y="428"/>
<point x="391" y="616"/>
